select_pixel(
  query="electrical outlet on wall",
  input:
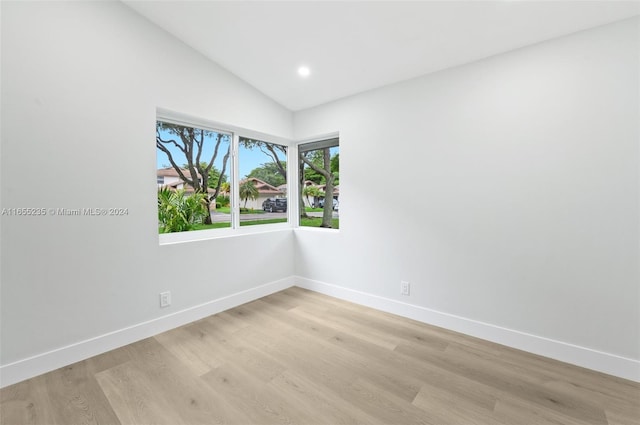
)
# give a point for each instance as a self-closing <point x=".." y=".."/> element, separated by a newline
<point x="404" y="287"/>
<point x="165" y="299"/>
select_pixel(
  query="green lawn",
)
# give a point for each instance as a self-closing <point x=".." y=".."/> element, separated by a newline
<point x="211" y="226"/>
<point x="248" y="211"/>
<point x="317" y="221"/>
<point x="242" y="223"/>
<point x="306" y="222"/>
<point x="227" y="210"/>
<point x="267" y="221"/>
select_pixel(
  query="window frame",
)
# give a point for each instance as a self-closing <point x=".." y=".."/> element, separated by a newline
<point x="173" y="117"/>
<point x="314" y="141"/>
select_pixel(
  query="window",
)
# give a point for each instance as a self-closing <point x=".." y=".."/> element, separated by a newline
<point x="319" y="183"/>
<point x="212" y="178"/>
<point x="263" y="182"/>
<point x="194" y="165"/>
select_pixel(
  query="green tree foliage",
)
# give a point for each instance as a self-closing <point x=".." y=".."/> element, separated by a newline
<point x="335" y="168"/>
<point x="310" y="173"/>
<point x="314" y="192"/>
<point x="335" y="163"/>
<point x="223" y="201"/>
<point x="317" y="158"/>
<point x="214" y="175"/>
<point x="214" y="178"/>
<point x="269" y="173"/>
<point x="248" y="190"/>
<point x="178" y="212"/>
<point x="277" y="153"/>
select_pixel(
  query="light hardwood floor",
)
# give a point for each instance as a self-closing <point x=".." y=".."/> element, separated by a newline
<point x="298" y="357"/>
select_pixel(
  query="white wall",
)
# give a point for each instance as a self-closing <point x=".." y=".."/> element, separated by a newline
<point x="80" y="85"/>
<point x="507" y="194"/>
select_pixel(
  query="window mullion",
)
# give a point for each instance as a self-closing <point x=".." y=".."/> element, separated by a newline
<point x="235" y="183"/>
<point x="293" y="185"/>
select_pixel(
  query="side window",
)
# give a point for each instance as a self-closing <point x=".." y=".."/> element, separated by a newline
<point x="319" y="183"/>
<point x="263" y="182"/>
<point x="193" y="173"/>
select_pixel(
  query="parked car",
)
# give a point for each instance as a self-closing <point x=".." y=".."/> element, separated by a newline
<point x="275" y="204"/>
<point x="335" y="203"/>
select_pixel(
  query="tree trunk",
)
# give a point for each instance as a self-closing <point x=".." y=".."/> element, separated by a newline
<point x="207" y="218"/>
<point x="327" y="212"/>
<point x="303" y="211"/>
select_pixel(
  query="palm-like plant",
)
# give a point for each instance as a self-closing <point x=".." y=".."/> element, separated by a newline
<point x="177" y="212"/>
<point x="248" y="191"/>
<point x="312" y="191"/>
<point x="225" y="188"/>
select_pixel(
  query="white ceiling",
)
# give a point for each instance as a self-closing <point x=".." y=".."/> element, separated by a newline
<point x="359" y="45"/>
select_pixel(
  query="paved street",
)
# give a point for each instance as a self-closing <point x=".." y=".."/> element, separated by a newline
<point x="222" y="217"/>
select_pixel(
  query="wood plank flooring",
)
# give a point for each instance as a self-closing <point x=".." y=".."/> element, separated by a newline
<point x="299" y="357"/>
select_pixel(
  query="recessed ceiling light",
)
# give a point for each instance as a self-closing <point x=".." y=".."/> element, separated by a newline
<point x="304" y="71"/>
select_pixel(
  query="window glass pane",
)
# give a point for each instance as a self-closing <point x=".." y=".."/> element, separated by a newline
<point x="193" y="178"/>
<point x="263" y="182"/>
<point x="319" y="181"/>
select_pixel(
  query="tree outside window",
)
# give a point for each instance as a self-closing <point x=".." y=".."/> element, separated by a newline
<point x="319" y="182"/>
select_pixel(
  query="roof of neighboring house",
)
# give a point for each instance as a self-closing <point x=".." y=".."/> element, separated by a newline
<point x="322" y="187"/>
<point x="336" y="189"/>
<point x="171" y="172"/>
<point x="186" y="187"/>
<point x="264" y="188"/>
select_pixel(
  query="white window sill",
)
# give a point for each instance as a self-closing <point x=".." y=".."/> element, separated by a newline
<point x="203" y="235"/>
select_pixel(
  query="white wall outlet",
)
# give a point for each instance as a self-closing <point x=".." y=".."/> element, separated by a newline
<point x="404" y="287"/>
<point x="165" y="299"/>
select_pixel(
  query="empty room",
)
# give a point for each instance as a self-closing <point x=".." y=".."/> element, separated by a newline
<point x="354" y="212"/>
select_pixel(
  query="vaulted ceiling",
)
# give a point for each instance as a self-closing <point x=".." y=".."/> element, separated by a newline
<point x="355" y="46"/>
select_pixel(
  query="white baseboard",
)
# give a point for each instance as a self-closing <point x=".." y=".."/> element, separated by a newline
<point x="585" y="357"/>
<point x="573" y="354"/>
<point x="46" y="362"/>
